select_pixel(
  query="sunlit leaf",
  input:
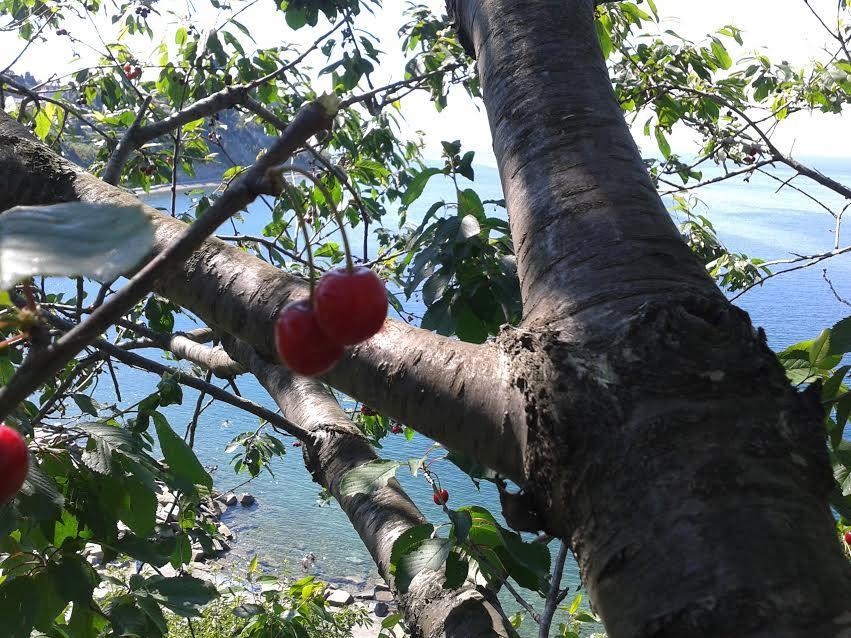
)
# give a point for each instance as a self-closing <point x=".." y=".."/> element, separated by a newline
<point x="72" y="239"/>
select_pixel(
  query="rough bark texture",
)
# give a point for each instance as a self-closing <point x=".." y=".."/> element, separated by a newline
<point x="337" y="446"/>
<point x="663" y="439"/>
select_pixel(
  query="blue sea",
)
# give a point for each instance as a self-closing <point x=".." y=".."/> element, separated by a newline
<point x="287" y="522"/>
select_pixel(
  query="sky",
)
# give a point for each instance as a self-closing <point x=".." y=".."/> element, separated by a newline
<point x="783" y="28"/>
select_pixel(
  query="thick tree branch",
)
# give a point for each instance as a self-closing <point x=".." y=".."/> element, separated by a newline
<point x="336" y="446"/>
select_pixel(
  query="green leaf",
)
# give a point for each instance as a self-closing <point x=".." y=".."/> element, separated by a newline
<point x="462" y="521"/>
<point x="527" y="563"/>
<point x="721" y="54"/>
<point x="179" y="456"/>
<point x="141" y="515"/>
<point x="296" y="18"/>
<point x="368" y="478"/>
<point x="820" y="348"/>
<point x="66" y="528"/>
<point x="170" y="391"/>
<point x="75" y="579"/>
<point x="429" y="554"/>
<point x="840" y="337"/>
<point x="72" y="239"/>
<point x="484" y="531"/>
<point x="42" y="492"/>
<point x="469" y="203"/>
<point x="418" y="184"/>
<point x="407" y="540"/>
<point x="662" y="142"/>
<point x="184" y="595"/>
<point x="85" y="403"/>
<point x="151" y="609"/>
<point x="457" y="568"/>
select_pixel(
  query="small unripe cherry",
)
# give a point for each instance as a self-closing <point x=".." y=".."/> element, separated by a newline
<point x="14" y="462"/>
<point x="848" y="537"/>
<point x="440" y="498"/>
<point x="301" y="344"/>
<point x="351" y="306"/>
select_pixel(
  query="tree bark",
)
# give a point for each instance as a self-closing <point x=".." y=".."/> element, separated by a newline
<point x="337" y="446"/>
<point x="664" y="441"/>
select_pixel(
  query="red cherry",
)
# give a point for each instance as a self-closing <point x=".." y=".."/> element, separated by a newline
<point x="350" y="306"/>
<point x="302" y="346"/>
<point x="297" y="444"/>
<point x="137" y="72"/>
<point x="396" y="429"/>
<point x="848" y="537"/>
<point x="127" y="68"/>
<point x="441" y="498"/>
<point x="14" y="461"/>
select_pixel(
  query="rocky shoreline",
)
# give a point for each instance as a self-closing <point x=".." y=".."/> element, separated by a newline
<point x="210" y="563"/>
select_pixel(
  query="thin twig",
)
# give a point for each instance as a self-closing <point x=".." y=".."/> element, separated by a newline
<point x="552" y="600"/>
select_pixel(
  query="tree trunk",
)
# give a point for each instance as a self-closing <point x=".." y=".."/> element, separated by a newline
<point x="664" y="441"/>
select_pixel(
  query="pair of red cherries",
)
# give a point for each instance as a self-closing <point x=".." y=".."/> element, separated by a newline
<point x="349" y="306"/>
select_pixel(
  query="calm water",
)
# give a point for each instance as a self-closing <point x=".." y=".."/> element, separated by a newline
<point x="287" y="522"/>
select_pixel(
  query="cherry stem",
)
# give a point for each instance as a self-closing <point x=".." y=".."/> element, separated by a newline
<point x="299" y="213"/>
<point x="28" y="293"/>
<point x="350" y="266"/>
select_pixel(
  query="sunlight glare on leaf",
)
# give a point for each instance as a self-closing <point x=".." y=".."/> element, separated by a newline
<point x="72" y="239"/>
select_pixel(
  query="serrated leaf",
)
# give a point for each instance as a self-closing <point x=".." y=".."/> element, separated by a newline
<point x="429" y="554"/>
<point x="840" y="337"/>
<point x="408" y="539"/>
<point x="40" y="485"/>
<point x="820" y="348"/>
<point x="179" y="456"/>
<point x="72" y="239"/>
<point x="368" y="478"/>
